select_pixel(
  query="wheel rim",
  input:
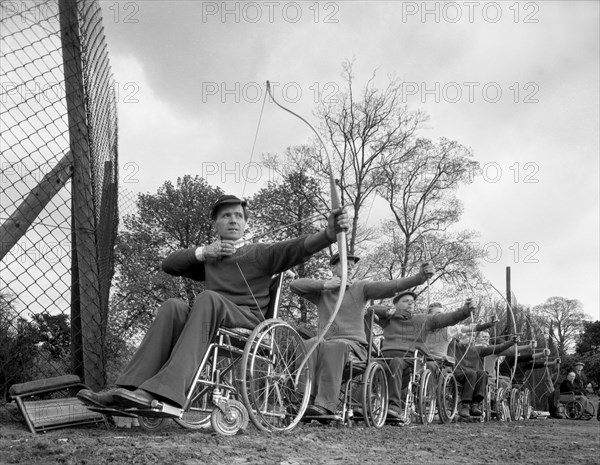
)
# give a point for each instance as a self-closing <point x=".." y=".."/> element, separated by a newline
<point x="271" y="356"/>
<point x="198" y="414"/>
<point x="427" y="398"/>
<point x="375" y="396"/>
<point x="448" y="397"/>
<point x="228" y="424"/>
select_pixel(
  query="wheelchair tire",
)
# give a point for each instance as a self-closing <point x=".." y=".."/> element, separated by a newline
<point x="150" y="423"/>
<point x="427" y="397"/>
<point x="229" y="424"/>
<point x="573" y="410"/>
<point x="269" y="366"/>
<point x="447" y="397"/>
<point x="375" y="395"/>
<point x="198" y="415"/>
<point x="501" y="405"/>
<point x="526" y="401"/>
<point x="515" y="404"/>
<point x="487" y="402"/>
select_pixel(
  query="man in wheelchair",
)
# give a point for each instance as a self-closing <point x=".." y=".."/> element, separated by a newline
<point x="403" y="332"/>
<point x="470" y="372"/>
<point x="237" y="277"/>
<point x="569" y="392"/>
<point x="346" y="337"/>
<point x="438" y="341"/>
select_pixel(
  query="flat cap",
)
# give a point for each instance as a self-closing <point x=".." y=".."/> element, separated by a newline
<point x="223" y="200"/>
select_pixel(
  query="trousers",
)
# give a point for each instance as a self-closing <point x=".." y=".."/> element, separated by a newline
<point x="172" y="349"/>
<point x="327" y="364"/>
<point x="473" y="385"/>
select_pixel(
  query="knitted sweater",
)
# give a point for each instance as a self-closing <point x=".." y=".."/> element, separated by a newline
<point x="470" y="357"/>
<point x="407" y="335"/>
<point x="244" y="277"/>
<point x="348" y="323"/>
<point x="437" y="342"/>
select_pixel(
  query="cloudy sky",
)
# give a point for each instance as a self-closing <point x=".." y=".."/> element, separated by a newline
<point x="517" y="82"/>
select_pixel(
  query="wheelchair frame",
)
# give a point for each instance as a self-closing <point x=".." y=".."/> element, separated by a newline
<point x="370" y="376"/>
<point x="421" y="393"/>
<point x="243" y="377"/>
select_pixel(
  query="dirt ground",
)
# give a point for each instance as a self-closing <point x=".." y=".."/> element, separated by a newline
<point x="544" y="441"/>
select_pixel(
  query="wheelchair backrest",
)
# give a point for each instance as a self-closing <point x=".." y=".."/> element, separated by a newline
<point x="274" y="296"/>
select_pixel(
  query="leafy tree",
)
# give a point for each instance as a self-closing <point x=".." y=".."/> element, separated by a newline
<point x="30" y="349"/>
<point x="565" y="319"/>
<point x="281" y="211"/>
<point x="589" y="339"/>
<point x="54" y="334"/>
<point x="176" y="217"/>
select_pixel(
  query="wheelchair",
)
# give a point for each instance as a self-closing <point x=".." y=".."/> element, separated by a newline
<point x="496" y="404"/>
<point x="447" y="390"/>
<point x="364" y="393"/>
<point x="244" y="376"/>
<point x="420" y="392"/>
<point x="519" y="403"/>
<point x="573" y="407"/>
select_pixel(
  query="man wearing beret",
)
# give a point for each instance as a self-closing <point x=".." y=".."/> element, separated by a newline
<point x="404" y="332"/>
<point x="237" y="277"/>
<point x="346" y="337"/>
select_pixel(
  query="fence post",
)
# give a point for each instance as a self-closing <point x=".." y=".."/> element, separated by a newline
<point x="86" y="339"/>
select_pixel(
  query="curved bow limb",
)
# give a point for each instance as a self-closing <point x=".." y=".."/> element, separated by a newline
<point x="341" y="238"/>
<point x="514" y="324"/>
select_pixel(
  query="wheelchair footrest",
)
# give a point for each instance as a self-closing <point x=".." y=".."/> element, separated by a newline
<point x="323" y="417"/>
<point x="159" y="410"/>
<point x="111" y="411"/>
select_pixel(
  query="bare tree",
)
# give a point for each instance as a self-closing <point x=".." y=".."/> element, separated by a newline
<point x="420" y="192"/>
<point x="364" y="131"/>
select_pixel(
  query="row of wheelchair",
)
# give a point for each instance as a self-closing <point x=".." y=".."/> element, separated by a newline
<point x="260" y="376"/>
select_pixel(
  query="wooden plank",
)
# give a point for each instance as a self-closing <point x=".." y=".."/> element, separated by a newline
<point x="28" y="210"/>
<point x="58" y="412"/>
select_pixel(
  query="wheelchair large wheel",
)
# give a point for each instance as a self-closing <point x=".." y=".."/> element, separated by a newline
<point x="515" y="404"/>
<point x="198" y="414"/>
<point x="375" y="395"/>
<point x="447" y="397"/>
<point x="526" y="401"/>
<point x="427" y="397"/>
<point x="487" y="402"/>
<point x="501" y="405"/>
<point x="275" y="396"/>
<point x="573" y="410"/>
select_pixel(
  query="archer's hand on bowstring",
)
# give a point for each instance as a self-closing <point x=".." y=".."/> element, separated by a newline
<point x="334" y="283"/>
<point x="337" y="222"/>
<point x="218" y="249"/>
<point x="426" y="271"/>
<point x="470" y="305"/>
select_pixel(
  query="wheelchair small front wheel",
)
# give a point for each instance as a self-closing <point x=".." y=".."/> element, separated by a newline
<point x="150" y="423"/>
<point x="228" y="424"/>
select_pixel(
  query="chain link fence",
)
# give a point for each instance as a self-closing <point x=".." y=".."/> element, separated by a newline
<point x="58" y="194"/>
